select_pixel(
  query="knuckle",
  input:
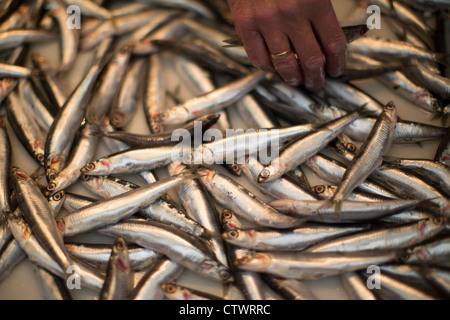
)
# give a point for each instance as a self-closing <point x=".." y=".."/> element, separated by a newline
<point x="244" y="20"/>
<point x="313" y="63"/>
<point x="264" y="16"/>
<point x="288" y="70"/>
<point x="336" y="46"/>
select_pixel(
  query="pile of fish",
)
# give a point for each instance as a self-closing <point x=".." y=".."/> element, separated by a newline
<point x="162" y="217"/>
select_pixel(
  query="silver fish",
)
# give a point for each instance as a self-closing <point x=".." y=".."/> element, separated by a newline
<point x="312" y="266"/>
<point x="393" y="238"/>
<point x="301" y="149"/>
<point x="126" y="102"/>
<point x="39" y="215"/>
<point x="296" y="239"/>
<point x="347" y="211"/>
<point x="162" y="271"/>
<point x="212" y="101"/>
<point x="118" y="282"/>
<point x="160" y="210"/>
<point x="242" y="202"/>
<point x="121" y="206"/>
<point x="53" y="288"/>
<point x="107" y="86"/>
<point x="369" y="156"/>
<point x="175" y="244"/>
<point x="356" y="287"/>
<point x="290" y="289"/>
<point x="62" y="132"/>
<point x="98" y="255"/>
<point x="89" y="277"/>
<point x="81" y="154"/>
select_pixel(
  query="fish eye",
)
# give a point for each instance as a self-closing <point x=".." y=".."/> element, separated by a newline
<point x="90" y="167"/>
<point x="317" y="107"/>
<point x="245" y="259"/>
<point x="51" y="175"/>
<point x="170" y="288"/>
<point x="224" y="274"/>
<point x="116" y="120"/>
<point x="156" y="128"/>
<point x="390" y="106"/>
<point x="233" y="234"/>
<point x="351" y="147"/>
<point x="51" y="186"/>
<point x="164" y="115"/>
<point x="86" y="177"/>
<point x="439" y="220"/>
<point x="227" y="214"/>
<point x="58" y="196"/>
<point x="319" y="189"/>
<point x="436" y="104"/>
<point x="265" y="173"/>
<point x="40" y="157"/>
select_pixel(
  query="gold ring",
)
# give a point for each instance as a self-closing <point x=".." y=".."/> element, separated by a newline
<point x="281" y="55"/>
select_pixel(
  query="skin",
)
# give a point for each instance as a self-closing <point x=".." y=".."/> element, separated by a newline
<point x="272" y="27"/>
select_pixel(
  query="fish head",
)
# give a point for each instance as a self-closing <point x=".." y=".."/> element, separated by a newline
<point x="390" y="112"/>
<point x="18" y="174"/>
<point x="215" y="270"/>
<point x="270" y="173"/>
<point x="173" y="116"/>
<point x="254" y="261"/>
<point x="99" y="167"/>
<point x="324" y="191"/>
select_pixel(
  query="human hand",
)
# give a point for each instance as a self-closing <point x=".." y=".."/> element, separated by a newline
<point x="268" y="29"/>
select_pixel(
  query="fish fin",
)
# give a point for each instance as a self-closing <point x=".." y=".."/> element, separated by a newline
<point x="232" y="42"/>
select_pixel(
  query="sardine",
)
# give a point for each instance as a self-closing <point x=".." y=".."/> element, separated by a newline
<point x="118" y="282"/>
<point x="175" y="244"/>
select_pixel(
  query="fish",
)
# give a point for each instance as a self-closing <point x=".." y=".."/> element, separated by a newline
<point x="296" y="239"/>
<point x="118" y="282"/>
<point x="39" y="215"/>
<point x="61" y="134"/>
<point x="98" y="255"/>
<point x="304" y="147"/>
<point x="393" y="238"/>
<point x="312" y="266"/>
<point x="175" y="244"/>
<point x="242" y="202"/>
<point x="212" y="101"/>
<point x="164" y="270"/>
<point x="290" y="289"/>
<point x="347" y="211"/>
<point x="82" y="153"/>
<point x="369" y="156"/>
<point x="121" y="206"/>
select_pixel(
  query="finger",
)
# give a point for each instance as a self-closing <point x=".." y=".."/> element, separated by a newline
<point x="310" y="56"/>
<point x="333" y="42"/>
<point x="254" y="44"/>
<point x="283" y="56"/>
<point x="257" y="52"/>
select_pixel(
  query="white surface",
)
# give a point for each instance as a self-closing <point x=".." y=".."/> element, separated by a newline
<point x="22" y="283"/>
